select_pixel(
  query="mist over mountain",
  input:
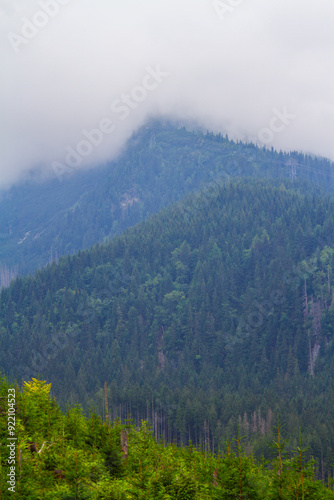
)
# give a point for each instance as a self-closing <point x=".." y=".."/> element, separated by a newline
<point x="41" y="221"/>
<point x="256" y="70"/>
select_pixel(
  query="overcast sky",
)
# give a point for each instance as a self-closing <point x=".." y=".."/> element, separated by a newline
<point x="255" y="69"/>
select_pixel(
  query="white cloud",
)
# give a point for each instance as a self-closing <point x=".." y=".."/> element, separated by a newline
<point x="226" y="74"/>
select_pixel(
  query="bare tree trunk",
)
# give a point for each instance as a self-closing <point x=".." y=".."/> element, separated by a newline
<point x="7" y="275"/>
<point x="106" y="402"/>
<point x="124" y="444"/>
<point x="305" y="301"/>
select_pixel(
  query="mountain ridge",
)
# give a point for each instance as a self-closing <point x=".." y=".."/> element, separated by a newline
<point x="162" y="163"/>
<point x="169" y="314"/>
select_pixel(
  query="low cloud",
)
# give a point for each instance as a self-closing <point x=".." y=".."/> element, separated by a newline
<point x="230" y="66"/>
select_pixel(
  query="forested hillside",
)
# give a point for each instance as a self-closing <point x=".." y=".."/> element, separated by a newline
<point x="40" y="221"/>
<point x="213" y="316"/>
<point x="66" y="456"/>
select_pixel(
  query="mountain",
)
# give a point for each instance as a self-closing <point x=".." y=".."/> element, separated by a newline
<point x="41" y="221"/>
<point x="213" y="316"/>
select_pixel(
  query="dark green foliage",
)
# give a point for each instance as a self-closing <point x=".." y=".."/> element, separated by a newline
<point x="113" y="460"/>
<point x="211" y="316"/>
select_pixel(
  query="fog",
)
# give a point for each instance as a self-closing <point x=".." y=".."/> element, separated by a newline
<point x="80" y="76"/>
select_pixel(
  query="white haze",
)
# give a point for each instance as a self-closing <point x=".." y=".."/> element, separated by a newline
<point x="227" y="73"/>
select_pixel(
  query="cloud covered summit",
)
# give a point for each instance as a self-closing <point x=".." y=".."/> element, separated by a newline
<point x="256" y="70"/>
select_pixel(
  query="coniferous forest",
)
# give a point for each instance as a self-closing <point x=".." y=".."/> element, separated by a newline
<point x="210" y="320"/>
<point x="69" y="456"/>
<point x="162" y="163"/>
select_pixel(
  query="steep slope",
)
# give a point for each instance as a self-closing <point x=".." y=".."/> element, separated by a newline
<point x="41" y="221"/>
<point x="216" y="313"/>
